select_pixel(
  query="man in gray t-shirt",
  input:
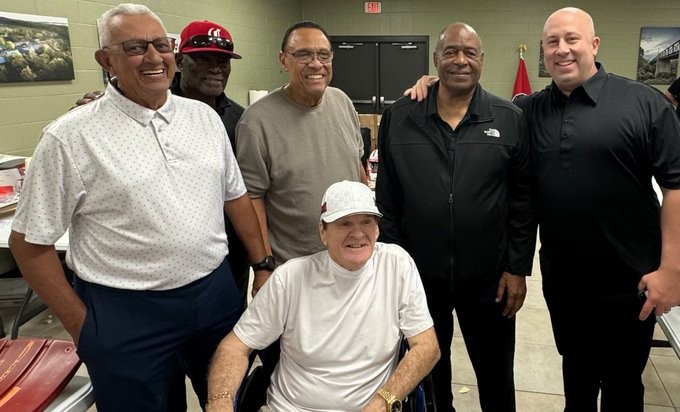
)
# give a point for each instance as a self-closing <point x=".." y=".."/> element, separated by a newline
<point x="295" y="142"/>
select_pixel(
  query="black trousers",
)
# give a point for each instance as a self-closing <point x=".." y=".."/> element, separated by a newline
<point x="490" y="341"/>
<point x="604" y="347"/>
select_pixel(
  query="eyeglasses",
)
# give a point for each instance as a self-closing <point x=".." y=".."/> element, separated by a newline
<point x="306" y="56"/>
<point x="139" y="47"/>
<point x="203" y="40"/>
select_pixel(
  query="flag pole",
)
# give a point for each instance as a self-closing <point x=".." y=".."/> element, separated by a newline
<point x="521" y="48"/>
<point x="522" y="86"/>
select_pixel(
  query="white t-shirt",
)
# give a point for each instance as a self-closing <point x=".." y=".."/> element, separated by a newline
<point x="340" y="330"/>
<point x="142" y="189"/>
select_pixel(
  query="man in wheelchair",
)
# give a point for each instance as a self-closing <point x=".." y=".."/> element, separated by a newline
<point x="341" y="315"/>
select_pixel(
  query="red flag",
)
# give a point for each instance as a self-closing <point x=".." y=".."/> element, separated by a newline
<point x="522" y="85"/>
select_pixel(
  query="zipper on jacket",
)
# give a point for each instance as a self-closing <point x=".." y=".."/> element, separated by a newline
<point x="452" y="173"/>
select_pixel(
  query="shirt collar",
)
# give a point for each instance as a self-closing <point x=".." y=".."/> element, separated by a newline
<point x="432" y="100"/>
<point x="142" y="115"/>
<point x="222" y="103"/>
<point x="475" y="109"/>
<point x="337" y="270"/>
<point x="591" y="89"/>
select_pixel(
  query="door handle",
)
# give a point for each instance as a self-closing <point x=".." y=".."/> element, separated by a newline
<point x="389" y="101"/>
<point x="371" y="102"/>
<point x="382" y="100"/>
<point x="406" y="46"/>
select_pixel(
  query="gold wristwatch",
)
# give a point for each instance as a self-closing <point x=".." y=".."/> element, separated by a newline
<point x="393" y="404"/>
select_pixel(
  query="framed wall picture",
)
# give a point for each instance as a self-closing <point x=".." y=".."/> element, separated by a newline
<point x="542" y="72"/>
<point x="34" y="48"/>
<point x="658" y="55"/>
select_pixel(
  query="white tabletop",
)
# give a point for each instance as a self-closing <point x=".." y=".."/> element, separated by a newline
<point x="670" y="324"/>
<point x="6" y="229"/>
<point x="77" y="396"/>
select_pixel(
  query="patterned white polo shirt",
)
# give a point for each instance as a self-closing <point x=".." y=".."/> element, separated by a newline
<point x="142" y="190"/>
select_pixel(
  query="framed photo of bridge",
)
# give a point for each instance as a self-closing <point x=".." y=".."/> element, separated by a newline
<point x="542" y="72"/>
<point x="658" y="55"/>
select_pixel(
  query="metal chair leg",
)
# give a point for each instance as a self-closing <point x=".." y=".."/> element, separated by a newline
<point x="27" y="311"/>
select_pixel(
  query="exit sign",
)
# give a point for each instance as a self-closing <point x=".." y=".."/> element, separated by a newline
<point x="372" y="7"/>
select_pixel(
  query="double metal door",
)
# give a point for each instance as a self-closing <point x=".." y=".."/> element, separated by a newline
<point x="375" y="70"/>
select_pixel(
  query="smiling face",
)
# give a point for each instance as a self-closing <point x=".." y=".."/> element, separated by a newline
<point x="459" y="59"/>
<point x="350" y="240"/>
<point x="204" y="75"/>
<point x="145" y="78"/>
<point x="570" y="48"/>
<point x="307" y="81"/>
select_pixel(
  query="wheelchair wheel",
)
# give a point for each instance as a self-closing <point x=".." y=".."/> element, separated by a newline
<point x="422" y="399"/>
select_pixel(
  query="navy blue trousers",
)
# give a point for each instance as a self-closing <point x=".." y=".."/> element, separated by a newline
<point x="131" y="340"/>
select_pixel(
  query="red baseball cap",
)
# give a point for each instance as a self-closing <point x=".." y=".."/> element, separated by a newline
<point x="206" y="36"/>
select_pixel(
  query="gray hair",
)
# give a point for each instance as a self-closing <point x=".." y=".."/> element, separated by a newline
<point x="104" y="22"/>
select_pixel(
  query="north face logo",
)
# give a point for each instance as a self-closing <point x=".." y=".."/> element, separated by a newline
<point x="492" y="133"/>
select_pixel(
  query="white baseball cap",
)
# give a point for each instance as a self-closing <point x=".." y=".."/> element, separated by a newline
<point x="347" y="198"/>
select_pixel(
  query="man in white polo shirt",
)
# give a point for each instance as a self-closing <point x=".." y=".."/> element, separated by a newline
<point x="141" y="177"/>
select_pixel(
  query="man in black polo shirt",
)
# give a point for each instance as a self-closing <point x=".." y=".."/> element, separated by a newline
<point x="597" y="140"/>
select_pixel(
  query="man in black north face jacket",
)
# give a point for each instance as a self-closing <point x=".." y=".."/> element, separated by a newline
<point x="454" y="188"/>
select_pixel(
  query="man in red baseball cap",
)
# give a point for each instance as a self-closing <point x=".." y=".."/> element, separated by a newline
<point x="204" y="63"/>
<point x="204" y="66"/>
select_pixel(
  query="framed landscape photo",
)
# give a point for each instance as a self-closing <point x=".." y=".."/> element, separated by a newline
<point x="34" y="48"/>
<point x="542" y="72"/>
<point x="658" y="55"/>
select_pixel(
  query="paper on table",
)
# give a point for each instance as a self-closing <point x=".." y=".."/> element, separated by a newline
<point x="8" y="203"/>
<point x="9" y="158"/>
<point x="12" y="170"/>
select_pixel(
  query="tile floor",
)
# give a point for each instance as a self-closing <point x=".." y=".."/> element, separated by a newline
<point x="537" y="364"/>
<point x="538" y="378"/>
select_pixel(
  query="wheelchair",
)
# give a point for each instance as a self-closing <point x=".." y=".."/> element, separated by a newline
<point x="252" y="393"/>
<point x="423" y="398"/>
